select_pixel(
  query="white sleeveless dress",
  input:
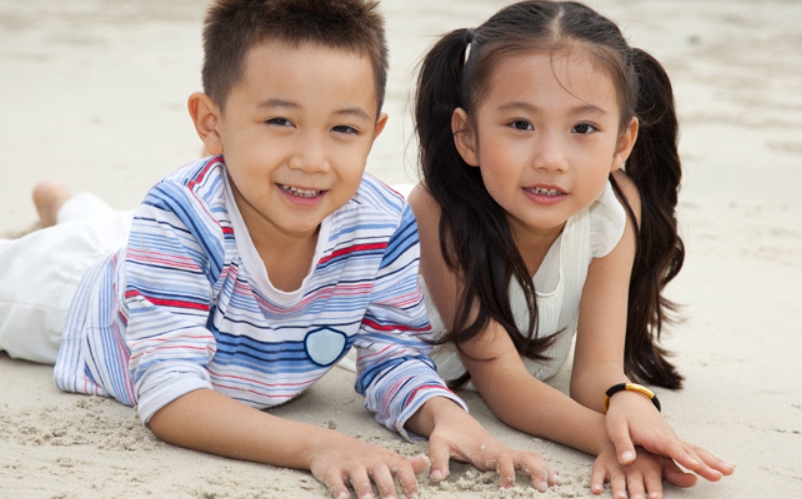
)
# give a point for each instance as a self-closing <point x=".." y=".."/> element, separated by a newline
<point x="591" y="233"/>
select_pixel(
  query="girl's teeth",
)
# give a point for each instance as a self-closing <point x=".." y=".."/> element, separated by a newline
<point x="304" y="193"/>
<point x="544" y="192"/>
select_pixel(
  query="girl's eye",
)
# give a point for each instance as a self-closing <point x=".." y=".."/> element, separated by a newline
<point x="521" y="125"/>
<point x="349" y="130"/>
<point x="279" y="122"/>
<point x="584" y="129"/>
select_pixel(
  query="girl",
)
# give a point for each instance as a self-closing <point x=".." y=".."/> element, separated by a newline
<point x="533" y="230"/>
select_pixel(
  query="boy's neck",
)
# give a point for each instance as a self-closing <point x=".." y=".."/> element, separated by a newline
<point x="287" y="260"/>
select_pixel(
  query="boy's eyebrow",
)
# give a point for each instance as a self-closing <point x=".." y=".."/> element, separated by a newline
<point x="587" y="108"/>
<point x="356" y="112"/>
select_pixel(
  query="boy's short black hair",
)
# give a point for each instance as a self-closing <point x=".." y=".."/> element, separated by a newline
<point x="233" y="27"/>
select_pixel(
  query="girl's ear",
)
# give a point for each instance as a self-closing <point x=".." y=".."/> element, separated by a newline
<point x="464" y="138"/>
<point x="626" y="141"/>
<point x="205" y="115"/>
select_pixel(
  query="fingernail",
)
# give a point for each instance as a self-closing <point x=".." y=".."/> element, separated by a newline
<point x="627" y="456"/>
<point x="436" y="475"/>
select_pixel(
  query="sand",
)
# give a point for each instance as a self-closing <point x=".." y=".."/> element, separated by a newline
<point x="93" y="93"/>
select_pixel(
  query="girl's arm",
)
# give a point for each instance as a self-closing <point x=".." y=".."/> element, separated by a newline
<point x="517" y="398"/>
<point x="599" y="360"/>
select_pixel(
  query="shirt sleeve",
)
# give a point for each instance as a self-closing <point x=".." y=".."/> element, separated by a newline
<point x="607" y="222"/>
<point x="395" y="374"/>
<point x="167" y="293"/>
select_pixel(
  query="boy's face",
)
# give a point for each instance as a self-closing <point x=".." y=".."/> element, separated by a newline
<point x="295" y="133"/>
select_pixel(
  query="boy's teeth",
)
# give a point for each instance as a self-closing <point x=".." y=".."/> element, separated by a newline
<point x="304" y="193"/>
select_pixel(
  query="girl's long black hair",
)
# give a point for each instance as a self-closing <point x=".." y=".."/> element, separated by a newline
<point x="475" y="237"/>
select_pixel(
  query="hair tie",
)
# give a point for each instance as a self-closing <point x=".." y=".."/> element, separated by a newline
<point x="468" y="44"/>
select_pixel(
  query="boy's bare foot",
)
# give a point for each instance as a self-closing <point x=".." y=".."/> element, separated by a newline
<point x="49" y="196"/>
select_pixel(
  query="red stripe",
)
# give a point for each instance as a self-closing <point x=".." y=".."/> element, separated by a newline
<point x="169" y="303"/>
<point x="391" y="327"/>
<point x="353" y="249"/>
<point x="425" y="387"/>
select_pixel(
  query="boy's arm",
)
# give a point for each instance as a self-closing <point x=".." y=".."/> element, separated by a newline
<point x="170" y="271"/>
<point x="211" y="422"/>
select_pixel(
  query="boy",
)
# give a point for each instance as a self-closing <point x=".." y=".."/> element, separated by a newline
<point x="247" y="275"/>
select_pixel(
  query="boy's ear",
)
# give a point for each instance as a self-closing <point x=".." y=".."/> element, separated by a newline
<point x="626" y="141"/>
<point x="205" y="115"/>
<point x="464" y="139"/>
<point x="380" y="123"/>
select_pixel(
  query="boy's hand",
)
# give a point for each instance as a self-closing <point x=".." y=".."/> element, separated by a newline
<point x="455" y="434"/>
<point x="642" y="478"/>
<point x="633" y="420"/>
<point x="348" y="461"/>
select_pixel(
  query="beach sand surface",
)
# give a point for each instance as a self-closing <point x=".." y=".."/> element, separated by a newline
<point x="93" y="93"/>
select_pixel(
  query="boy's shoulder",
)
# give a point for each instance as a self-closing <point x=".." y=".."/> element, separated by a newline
<point x="374" y="196"/>
<point x="202" y="180"/>
<point x="204" y="172"/>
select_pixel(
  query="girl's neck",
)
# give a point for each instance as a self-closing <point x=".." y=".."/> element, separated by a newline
<point x="533" y="245"/>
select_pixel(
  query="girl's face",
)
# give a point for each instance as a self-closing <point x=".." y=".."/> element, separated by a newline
<point x="546" y="137"/>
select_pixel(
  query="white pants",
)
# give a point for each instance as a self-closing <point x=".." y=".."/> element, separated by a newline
<point x="40" y="271"/>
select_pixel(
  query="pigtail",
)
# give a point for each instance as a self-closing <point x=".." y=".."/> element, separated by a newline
<point x="475" y="237"/>
<point x="654" y="166"/>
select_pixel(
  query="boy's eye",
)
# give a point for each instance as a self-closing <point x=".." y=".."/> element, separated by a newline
<point x="346" y="129"/>
<point x="279" y="122"/>
<point x="583" y="128"/>
<point x="521" y="125"/>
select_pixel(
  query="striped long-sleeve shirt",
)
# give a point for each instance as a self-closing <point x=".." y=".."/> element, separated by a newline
<point x="188" y="305"/>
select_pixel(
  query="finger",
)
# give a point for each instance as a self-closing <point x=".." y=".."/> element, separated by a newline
<point x="407" y="475"/>
<point x="506" y="471"/>
<point x="676" y="477"/>
<point x="700" y="467"/>
<point x="539" y="471"/>
<point x="361" y="483"/>
<point x="334" y="482"/>
<point x="621" y="440"/>
<point x="654" y="485"/>
<point x="714" y="462"/>
<point x="440" y="454"/>
<point x="419" y="463"/>
<point x="384" y="481"/>
<point x="676" y="451"/>
<point x="598" y="475"/>
<point x="635" y="487"/>
<point x="618" y="484"/>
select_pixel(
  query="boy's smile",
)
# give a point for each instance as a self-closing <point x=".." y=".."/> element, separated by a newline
<point x="295" y="132"/>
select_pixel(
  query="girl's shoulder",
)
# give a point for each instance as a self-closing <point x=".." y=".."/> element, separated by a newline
<point x="607" y="221"/>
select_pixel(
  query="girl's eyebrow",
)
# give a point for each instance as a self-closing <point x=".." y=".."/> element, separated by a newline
<point x="525" y="106"/>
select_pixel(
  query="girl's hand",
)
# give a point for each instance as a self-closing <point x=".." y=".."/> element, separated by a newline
<point x="455" y="434"/>
<point x="362" y="465"/>
<point x="633" y="420"/>
<point x="642" y="478"/>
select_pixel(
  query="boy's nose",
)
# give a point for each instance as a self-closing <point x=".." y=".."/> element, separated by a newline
<point x="310" y="156"/>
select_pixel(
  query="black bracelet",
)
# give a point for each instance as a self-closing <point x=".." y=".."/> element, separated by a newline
<point x="632" y="387"/>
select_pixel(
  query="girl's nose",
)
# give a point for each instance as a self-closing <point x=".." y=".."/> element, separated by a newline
<point x="549" y="153"/>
